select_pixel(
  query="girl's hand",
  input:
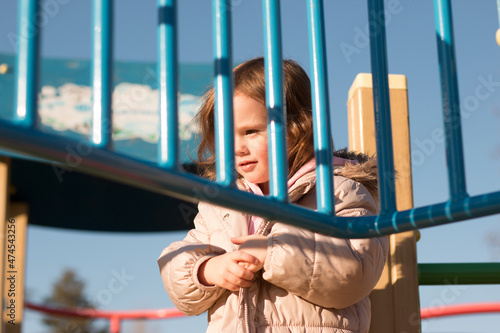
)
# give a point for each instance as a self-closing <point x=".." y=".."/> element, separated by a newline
<point x="226" y="271"/>
<point x="256" y="245"/>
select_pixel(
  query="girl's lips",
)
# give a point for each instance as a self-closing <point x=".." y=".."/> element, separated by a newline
<point x="248" y="166"/>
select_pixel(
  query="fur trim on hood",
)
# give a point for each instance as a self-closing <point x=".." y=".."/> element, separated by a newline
<point x="363" y="169"/>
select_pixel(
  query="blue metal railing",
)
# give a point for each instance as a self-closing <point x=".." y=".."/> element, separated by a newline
<point x="321" y="120"/>
<point x="223" y="88"/>
<point x="381" y="104"/>
<point x="27" y="73"/>
<point x="165" y="176"/>
<point x="102" y="125"/>
<point x="168" y="151"/>
<point x="276" y="108"/>
<point x="451" y="101"/>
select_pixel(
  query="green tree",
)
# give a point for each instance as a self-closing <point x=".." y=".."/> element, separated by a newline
<point x="68" y="293"/>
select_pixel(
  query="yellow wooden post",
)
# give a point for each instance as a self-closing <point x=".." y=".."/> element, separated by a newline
<point x="13" y="228"/>
<point x="14" y="263"/>
<point x="4" y="198"/>
<point x="395" y="301"/>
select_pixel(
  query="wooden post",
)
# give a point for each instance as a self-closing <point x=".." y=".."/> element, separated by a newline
<point x="13" y="228"/>
<point x="14" y="263"/>
<point x="4" y="199"/>
<point x="395" y="300"/>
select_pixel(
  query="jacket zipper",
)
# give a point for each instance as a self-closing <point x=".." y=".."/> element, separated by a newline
<point x="262" y="229"/>
<point x="247" y="325"/>
<point x="243" y="292"/>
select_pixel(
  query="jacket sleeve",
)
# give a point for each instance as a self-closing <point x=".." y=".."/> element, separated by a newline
<point x="328" y="271"/>
<point x="179" y="264"/>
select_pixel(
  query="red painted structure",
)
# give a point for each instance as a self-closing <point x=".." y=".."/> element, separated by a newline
<point x="115" y="317"/>
<point x="459" y="309"/>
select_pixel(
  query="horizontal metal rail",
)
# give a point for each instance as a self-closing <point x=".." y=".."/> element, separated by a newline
<point x="115" y="317"/>
<point x="123" y="169"/>
<point x="459" y="273"/>
<point x="459" y="309"/>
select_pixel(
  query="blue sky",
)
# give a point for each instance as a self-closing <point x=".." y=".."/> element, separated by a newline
<point x="97" y="257"/>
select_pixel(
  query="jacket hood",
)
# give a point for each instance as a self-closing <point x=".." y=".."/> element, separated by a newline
<point x="358" y="167"/>
<point x="361" y="168"/>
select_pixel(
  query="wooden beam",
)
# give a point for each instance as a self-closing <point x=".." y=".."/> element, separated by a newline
<point x="4" y="199"/>
<point x="14" y="266"/>
<point x="13" y="228"/>
<point x="395" y="301"/>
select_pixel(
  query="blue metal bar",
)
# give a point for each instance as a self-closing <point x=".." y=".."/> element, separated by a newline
<point x="381" y="103"/>
<point x="223" y="90"/>
<point x="451" y="101"/>
<point x="498" y="10"/>
<point x="321" y="112"/>
<point x="276" y="108"/>
<point x="102" y="126"/>
<point x="27" y="63"/>
<point x="168" y="151"/>
<point x="124" y="169"/>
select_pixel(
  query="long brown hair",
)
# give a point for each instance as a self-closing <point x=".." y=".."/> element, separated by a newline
<point x="249" y="80"/>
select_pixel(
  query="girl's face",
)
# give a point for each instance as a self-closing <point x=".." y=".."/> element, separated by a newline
<point x="250" y="140"/>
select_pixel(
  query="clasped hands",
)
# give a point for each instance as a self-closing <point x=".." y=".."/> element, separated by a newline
<point x="236" y="269"/>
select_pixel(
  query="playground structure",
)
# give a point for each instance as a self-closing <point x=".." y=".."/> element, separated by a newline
<point x="397" y="217"/>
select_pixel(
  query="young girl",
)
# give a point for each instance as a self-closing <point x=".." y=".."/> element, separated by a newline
<point x="262" y="276"/>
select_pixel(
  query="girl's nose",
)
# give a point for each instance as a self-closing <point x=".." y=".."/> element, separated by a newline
<point x="240" y="148"/>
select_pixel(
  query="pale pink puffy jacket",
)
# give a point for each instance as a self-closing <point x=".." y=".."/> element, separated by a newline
<point x="309" y="282"/>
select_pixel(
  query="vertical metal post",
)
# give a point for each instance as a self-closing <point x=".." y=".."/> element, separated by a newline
<point x="114" y="324"/>
<point x="451" y="102"/>
<point x="275" y="102"/>
<point x="102" y="41"/>
<point x="27" y="63"/>
<point x="321" y="112"/>
<point x="168" y="151"/>
<point x="378" y="54"/>
<point x="223" y="90"/>
<point x="498" y="10"/>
